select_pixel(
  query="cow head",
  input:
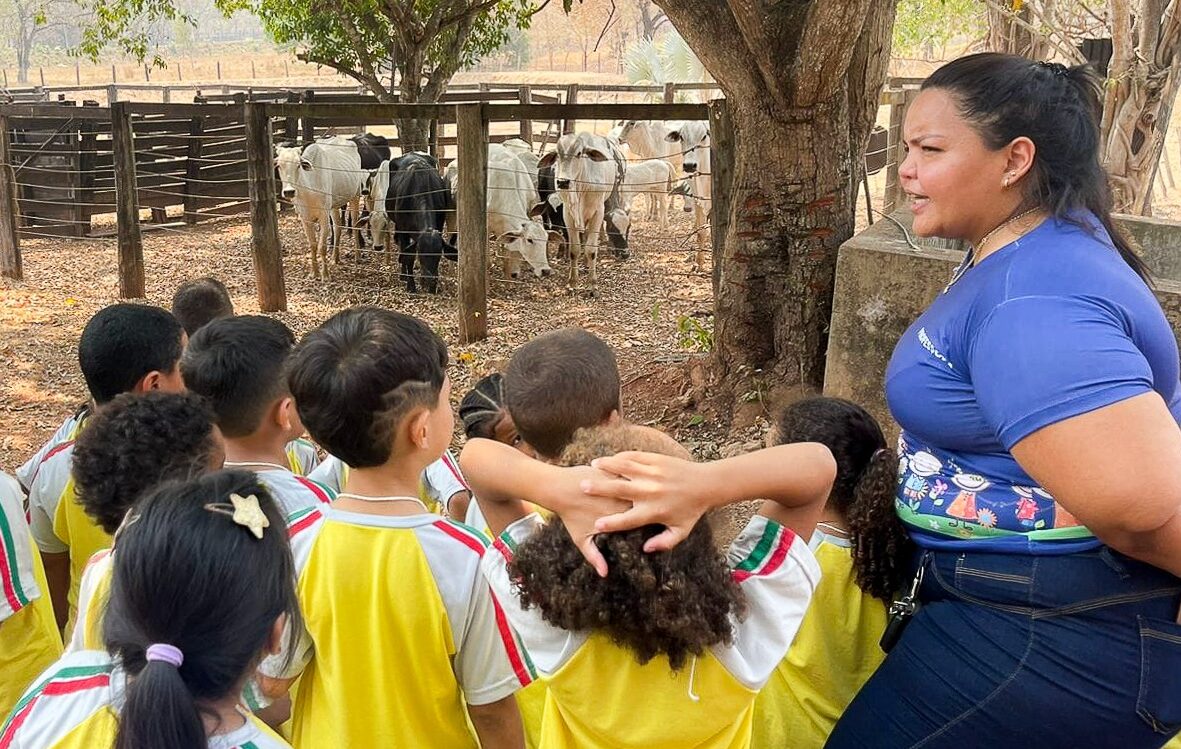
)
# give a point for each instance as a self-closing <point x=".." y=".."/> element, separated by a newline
<point x="528" y="242"/>
<point x="618" y="224"/>
<point x="693" y="138"/>
<point x="571" y="156"/>
<point x="289" y="162"/>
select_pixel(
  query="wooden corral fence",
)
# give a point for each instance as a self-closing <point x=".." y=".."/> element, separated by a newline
<point x="65" y="164"/>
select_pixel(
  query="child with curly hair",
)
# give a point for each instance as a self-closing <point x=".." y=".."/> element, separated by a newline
<point x="132" y="445"/>
<point x="863" y="551"/>
<point x="665" y="641"/>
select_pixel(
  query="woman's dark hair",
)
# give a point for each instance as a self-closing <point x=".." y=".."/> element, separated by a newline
<point x="189" y="576"/>
<point x="676" y="603"/>
<point x="483" y="406"/>
<point x="136" y="442"/>
<point x="355" y="377"/>
<point x="1058" y="108"/>
<point x="865" y="486"/>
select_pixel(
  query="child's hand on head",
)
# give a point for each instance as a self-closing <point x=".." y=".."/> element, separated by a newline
<point x="580" y="512"/>
<point x="658" y="489"/>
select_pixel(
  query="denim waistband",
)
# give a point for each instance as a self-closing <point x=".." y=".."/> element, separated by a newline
<point x="1043" y="586"/>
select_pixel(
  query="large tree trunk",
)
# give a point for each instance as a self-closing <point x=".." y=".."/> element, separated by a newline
<point x="24" y="50"/>
<point x="1013" y="30"/>
<point x="1143" y="79"/>
<point x="802" y="82"/>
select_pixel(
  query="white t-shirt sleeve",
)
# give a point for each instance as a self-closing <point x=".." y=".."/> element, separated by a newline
<point x="298" y="646"/>
<point x="442" y="479"/>
<point x="44" y="496"/>
<point x="548" y="646"/>
<point x="778" y="575"/>
<point x="491" y="663"/>
<point x="14" y="535"/>
<point x="329" y="473"/>
<point x="98" y="568"/>
<point x="28" y="471"/>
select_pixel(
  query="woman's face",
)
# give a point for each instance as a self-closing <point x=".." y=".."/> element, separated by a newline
<point x="956" y="183"/>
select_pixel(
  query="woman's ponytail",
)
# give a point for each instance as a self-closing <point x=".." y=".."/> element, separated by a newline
<point x="881" y="548"/>
<point x="159" y="710"/>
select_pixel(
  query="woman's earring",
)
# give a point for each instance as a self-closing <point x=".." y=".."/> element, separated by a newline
<point x="1008" y="178"/>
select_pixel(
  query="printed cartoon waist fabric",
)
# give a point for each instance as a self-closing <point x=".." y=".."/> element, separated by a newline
<point x="946" y="507"/>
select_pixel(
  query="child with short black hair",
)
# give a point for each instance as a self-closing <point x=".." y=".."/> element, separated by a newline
<point x="203" y="586"/>
<point x="132" y="445"/>
<point x="484" y="414"/>
<point x="123" y="348"/>
<point x="400" y="629"/>
<point x="560" y="382"/>
<point x="239" y="364"/>
<point x="199" y="302"/>
<point x="863" y="551"/>
<point x="694" y="633"/>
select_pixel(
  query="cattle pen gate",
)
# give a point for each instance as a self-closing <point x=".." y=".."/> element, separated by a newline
<point x="62" y="165"/>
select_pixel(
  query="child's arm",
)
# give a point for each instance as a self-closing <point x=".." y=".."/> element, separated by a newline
<point x="504" y="479"/>
<point x="796" y="478"/>
<point x="498" y="724"/>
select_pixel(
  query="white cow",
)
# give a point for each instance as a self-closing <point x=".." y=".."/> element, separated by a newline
<point x="588" y="169"/>
<point x="654" y="178"/>
<point x="693" y="138"/>
<point x="525" y="153"/>
<point x="648" y="139"/>
<point x="513" y="205"/>
<point x="325" y="176"/>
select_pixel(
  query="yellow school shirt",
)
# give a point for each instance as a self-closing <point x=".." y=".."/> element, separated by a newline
<point x="834" y="654"/>
<point x="399" y="632"/>
<point x="74" y="705"/>
<point x="600" y="697"/>
<point x="29" y="640"/>
<point x="78" y="531"/>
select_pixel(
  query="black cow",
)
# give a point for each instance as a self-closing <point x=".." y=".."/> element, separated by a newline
<point x="416" y="202"/>
<point x="373" y="149"/>
<point x="552" y="216"/>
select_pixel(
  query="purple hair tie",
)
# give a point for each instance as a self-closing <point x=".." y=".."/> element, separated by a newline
<point x="165" y="654"/>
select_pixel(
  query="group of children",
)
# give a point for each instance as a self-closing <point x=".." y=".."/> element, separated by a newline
<point x="218" y="585"/>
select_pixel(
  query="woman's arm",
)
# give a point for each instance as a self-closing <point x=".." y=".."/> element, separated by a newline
<point x="1118" y="470"/>
<point x="795" y="479"/>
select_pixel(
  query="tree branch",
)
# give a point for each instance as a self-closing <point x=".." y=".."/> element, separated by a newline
<point x="1069" y="52"/>
<point x="470" y="12"/>
<point x="606" y="25"/>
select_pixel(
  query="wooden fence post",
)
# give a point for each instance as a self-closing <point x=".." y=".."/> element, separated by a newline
<point x="112" y="94"/>
<point x="432" y="137"/>
<point x="525" y="96"/>
<point x="568" y="126"/>
<point x="77" y="74"/>
<point x="114" y="78"/>
<point x="264" y="219"/>
<point x="42" y="70"/>
<point x="131" y="250"/>
<point x="87" y="153"/>
<point x="721" y="140"/>
<point x="193" y="170"/>
<point x="670" y="93"/>
<point x="472" y="136"/>
<point x="309" y="127"/>
<point x="893" y="194"/>
<point x="10" y="248"/>
<point x="219" y="70"/>
<point x="167" y="95"/>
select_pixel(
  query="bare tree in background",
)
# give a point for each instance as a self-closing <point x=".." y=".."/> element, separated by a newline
<point x="651" y="19"/>
<point x="28" y="19"/>
<point x="802" y="81"/>
<point x="1143" y="78"/>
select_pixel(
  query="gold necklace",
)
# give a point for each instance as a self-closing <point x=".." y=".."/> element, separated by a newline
<point x="1002" y="225"/>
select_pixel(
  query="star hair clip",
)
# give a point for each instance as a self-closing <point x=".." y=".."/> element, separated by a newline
<point x="244" y="511"/>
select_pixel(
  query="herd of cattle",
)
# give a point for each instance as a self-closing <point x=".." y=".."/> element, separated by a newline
<point x="574" y="195"/>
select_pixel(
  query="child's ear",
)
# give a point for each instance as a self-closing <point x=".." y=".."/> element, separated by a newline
<point x="147" y="383"/>
<point x="283" y="410"/>
<point x="614" y="418"/>
<point x="418" y="427"/>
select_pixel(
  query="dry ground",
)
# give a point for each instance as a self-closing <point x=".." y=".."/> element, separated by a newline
<point x="635" y="310"/>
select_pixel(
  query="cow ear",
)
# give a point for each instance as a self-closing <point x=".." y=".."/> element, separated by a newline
<point x="596" y="155"/>
<point x="305" y="165"/>
<point x="508" y="236"/>
<point x="673" y="136"/>
<point x="537" y="210"/>
<point x="547" y="160"/>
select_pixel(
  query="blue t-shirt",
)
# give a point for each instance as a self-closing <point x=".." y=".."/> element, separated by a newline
<point x="1051" y="326"/>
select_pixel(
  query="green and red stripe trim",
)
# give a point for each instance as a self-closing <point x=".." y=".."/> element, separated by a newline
<point x="66" y="681"/>
<point x="469" y="537"/>
<point x="301" y="520"/>
<point x="321" y="492"/>
<point x="518" y="656"/>
<point x="14" y="593"/>
<point x="768" y="554"/>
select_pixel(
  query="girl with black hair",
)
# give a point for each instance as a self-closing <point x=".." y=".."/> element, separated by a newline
<point x="203" y="586"/>
<point x="1039" y="398"/>
<point x="863" y="552"/>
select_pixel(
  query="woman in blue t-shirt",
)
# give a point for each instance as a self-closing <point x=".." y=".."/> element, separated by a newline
<point x="1039" y="398"/>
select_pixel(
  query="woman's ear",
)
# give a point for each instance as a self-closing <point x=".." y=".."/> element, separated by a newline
<point x="1022" y="152"/>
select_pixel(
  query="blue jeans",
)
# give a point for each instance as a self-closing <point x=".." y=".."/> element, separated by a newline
<point x="1007" y="650"/>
